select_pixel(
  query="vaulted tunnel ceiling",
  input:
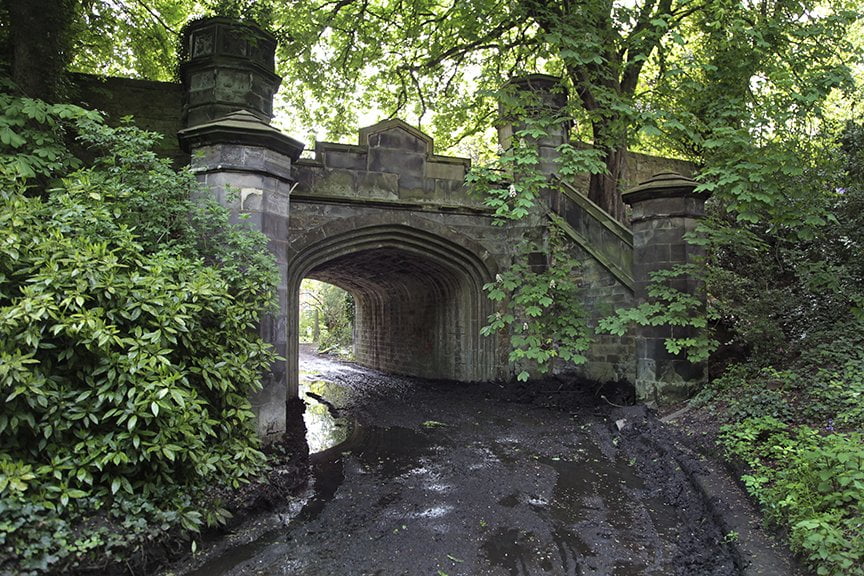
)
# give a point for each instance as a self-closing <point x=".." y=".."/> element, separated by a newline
<point x="419" y="302"/>
<point x="414" y="314"/>
<point x="384" y="270"/>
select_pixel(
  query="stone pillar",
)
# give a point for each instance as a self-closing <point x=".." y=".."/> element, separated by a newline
<point x="226" y="66"/>
<point x="245" y="163"/>
<point x="533" y="97"/>
<point x="665" y="208"/>
<point x="524" y="99"/>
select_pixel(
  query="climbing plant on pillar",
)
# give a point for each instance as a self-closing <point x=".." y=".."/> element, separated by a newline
<point x="539" y="298"/>
<point x="534" y="142"/>
<point x="540" y="307"/>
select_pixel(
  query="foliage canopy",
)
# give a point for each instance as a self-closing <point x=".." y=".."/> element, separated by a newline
<point x="642" y="74"/>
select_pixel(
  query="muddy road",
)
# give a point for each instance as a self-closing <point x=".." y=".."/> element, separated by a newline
<point x="432" y="478"/>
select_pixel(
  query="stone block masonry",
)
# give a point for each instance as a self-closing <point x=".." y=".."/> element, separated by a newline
<point x="246" y="165"/>
<point x="392" y="162"/>
<point x="226" y="66"/>
<point x="665" y="209"/>
<point x="155" y="106"/>
<point x="391" y="221"/>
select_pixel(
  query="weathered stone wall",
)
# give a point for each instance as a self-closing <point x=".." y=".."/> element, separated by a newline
<point x="418" y="327"/>
<point x="610" y="358"/>
<point x="156" y="106"/>
<point x="665" y="209"/>
<point x="253" y="183"/>
<point x="609" y="271"/>
<point x="393" y="162"/>
<point x="605" y="249"/>
<point x="245" y="165"/>
<point x="391" y="222"/>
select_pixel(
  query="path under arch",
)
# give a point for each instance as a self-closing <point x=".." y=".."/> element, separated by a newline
<point x="418" y="296"/>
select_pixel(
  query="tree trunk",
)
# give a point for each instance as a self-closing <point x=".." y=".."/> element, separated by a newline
<point x="603" y="188"/>
<point x="610" y="137"/>
<point x="41" y="38"/>
<point x="316" y="327"/>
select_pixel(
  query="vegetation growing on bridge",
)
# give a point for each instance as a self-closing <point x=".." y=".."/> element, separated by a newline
<point x="326" y="316"/>
<point x="540" y="309"/>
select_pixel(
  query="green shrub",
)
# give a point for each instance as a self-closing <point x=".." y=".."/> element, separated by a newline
<point x="129" y="318"/>
<point x="835" y="391"/>
<point x="810" y="483"/>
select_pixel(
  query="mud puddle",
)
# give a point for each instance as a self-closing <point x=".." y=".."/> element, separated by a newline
<point x="416" y="478"/>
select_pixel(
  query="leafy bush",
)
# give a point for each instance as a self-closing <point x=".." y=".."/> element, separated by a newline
<point x="822" y="388"/>
<point x="835" y="392"/>
<point x="804" y="448"/>
<point x="129" y="317"/>
<point x="811" y="483"/>
<point x="798" y="430"/>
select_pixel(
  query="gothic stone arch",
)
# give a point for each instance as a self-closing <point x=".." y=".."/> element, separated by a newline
<point x="417" y="287"/>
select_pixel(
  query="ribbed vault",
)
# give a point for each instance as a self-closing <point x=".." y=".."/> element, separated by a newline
<point x="418" y="296"/>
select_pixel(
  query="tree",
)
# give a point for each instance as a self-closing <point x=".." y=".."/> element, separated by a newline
<point x="331" y="306"/>
<point x="41" y="39"/>
<point x="36" y="43"/>
<point x="644" y="74"/>
<point x="634" y="69"/>
<point x="431" y="52"/>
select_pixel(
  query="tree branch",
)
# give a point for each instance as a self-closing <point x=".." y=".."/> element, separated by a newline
<point x="156" y="16"/>
<point x="476" y="44"/>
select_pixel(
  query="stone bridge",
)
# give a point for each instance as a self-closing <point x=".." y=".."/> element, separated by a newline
<point x="387" y="220"/>
<point x="391" y="222"/>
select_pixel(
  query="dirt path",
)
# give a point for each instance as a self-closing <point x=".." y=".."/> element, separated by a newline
<point x="445" y="479"/>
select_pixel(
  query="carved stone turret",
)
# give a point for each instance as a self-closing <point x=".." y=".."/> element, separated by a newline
<point x="226" y="66"/>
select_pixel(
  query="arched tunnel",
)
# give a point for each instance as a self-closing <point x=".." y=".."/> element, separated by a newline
<point x="419" y="301"/>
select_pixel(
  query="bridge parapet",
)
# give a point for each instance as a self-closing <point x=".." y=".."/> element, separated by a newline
<point x="393" y="164"/>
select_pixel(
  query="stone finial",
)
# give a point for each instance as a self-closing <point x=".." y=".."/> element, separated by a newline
<point x="664" y="185"/>
<point x="535" y="94"/>
<point x="226" y="66"/>
<point x="241" y="128"/>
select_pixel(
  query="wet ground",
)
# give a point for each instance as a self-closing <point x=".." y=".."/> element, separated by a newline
<point x="433" y="478"/>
